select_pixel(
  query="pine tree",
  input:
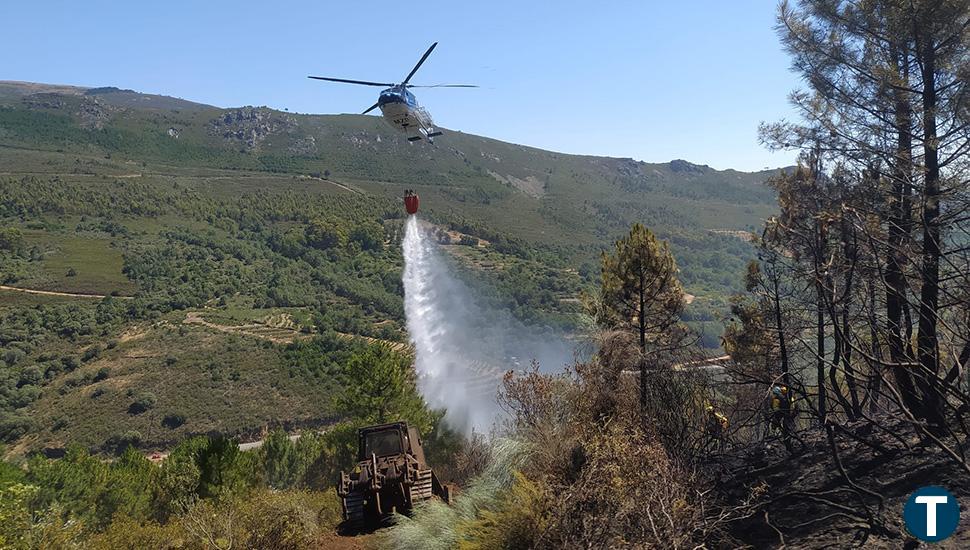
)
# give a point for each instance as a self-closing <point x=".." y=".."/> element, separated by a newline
<point x="381" y="387"/>
<point x="640" y="293"/>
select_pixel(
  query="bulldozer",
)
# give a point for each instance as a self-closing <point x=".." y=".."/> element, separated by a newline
<point x="391" y="476"/>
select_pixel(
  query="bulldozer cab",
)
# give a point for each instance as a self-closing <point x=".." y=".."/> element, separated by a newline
<point x="382" y="443"/>
<point x="388" y="440"/>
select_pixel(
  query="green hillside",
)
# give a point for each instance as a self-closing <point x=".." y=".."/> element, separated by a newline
<point x="229" y="242"/>
<point x="539" y="195"/>
<point x="495" y="190"/>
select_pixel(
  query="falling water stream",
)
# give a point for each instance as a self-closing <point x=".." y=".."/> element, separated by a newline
<point x="463" y="348"/>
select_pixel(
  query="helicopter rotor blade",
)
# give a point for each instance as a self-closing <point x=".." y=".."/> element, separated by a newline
<point x="346" y="81"/>
<point x="418" y="66"/>
<point x="443" y="86"/>
<point x="372" y="107"/>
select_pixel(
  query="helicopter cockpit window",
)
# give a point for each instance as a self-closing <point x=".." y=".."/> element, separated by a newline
<point x="391" y="96"/>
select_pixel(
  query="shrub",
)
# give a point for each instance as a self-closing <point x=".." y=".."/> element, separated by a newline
<point x="118" y="443"/>
<point x="125" y="532"/>
<point x="70" y="362"/>
<point x="25" y="396"/>
<point x="11" y="239"/>
<point x="173" y="420"/>
<point x="91" y="353"/>
<point x="287" y="520"/>
<point x="14" y="425"/>
<point x="12" y="356"/>
<point x="15" y="515"/>
<point x="52" y="369"/>
<point x="369" y="235"/>
<point x="142" y="403"/>
<point x="324" y="235"/>
<point x="520" y="516"/>
<point x="263" y="518"/>
<point x="31" y="375"/>
<point x="628" y="495"/>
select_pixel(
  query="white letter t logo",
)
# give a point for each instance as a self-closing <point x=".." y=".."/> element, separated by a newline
<point x="930" y="502"/>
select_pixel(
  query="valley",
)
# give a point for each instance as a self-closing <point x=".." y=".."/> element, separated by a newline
<point x="161" y="206"/>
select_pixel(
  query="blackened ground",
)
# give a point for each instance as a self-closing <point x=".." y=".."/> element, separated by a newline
<point x="802" y="500"/>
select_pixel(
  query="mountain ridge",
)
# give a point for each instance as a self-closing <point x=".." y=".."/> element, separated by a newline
<point x="112" y="93"/>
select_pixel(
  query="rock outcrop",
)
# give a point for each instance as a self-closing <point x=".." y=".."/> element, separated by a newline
<point x="92" y="113"/>
<point x="250" y="126"/>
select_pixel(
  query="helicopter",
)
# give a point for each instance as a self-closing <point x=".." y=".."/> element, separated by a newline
<point x="399" y="106"/>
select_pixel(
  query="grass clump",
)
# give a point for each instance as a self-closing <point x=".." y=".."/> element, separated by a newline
<point x="436" y="525"/>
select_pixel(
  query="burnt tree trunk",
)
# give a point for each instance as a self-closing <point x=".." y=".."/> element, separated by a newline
<point x="820" y="317"/>
<point x="927" y="344"/>
<point x="643" y="342"/>
<point x="780" y="328"/>
<point x="900" y="228"/>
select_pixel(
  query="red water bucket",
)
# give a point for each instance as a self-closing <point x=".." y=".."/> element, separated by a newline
<point x="411" y="204"/>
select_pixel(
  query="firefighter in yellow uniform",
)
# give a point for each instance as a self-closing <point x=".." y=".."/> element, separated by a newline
<point x="782" y="414"/>
<point x="716" y="427"/>
<point x="782" y="408"/>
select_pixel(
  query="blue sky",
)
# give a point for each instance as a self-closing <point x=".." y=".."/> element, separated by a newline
<point x="650" y="80"/>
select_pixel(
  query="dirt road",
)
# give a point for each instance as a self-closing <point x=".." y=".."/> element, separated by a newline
<point x="57" y="293"/>
<point x="279" y="335"/>
<point x="334" y="541"/>
<point x="249" y="446"/>
<point x="275" y="332"/>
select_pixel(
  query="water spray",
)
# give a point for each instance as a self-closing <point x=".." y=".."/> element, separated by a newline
<point x="463" y="348"/>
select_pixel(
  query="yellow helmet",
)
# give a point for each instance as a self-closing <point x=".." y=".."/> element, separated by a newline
<point x="709" y="408"/>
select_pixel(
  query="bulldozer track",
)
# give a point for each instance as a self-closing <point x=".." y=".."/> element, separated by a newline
<point x="355" y="510"/>
<point x="421" y="489"/>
